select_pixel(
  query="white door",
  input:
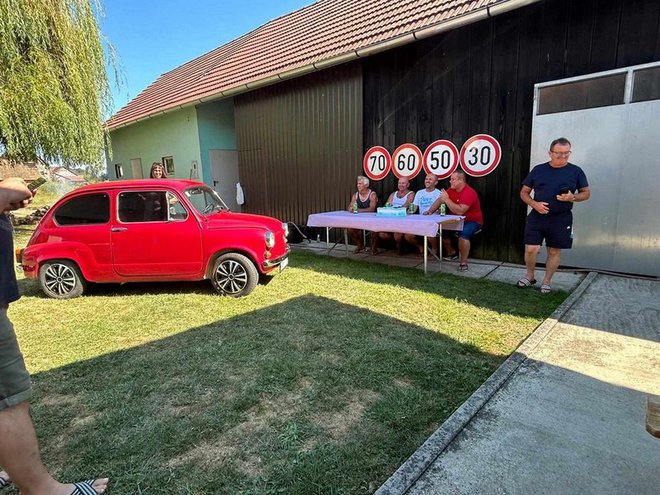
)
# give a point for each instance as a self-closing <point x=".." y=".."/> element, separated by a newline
<point x="136" y="168"/>
<point x="224" y="175"/>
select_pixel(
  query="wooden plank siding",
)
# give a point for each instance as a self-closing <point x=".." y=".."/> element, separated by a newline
<point x="481" y="79"/>
<point x="300" y="143"/>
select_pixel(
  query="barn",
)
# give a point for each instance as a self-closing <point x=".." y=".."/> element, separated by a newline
<point x="289" y="110"/>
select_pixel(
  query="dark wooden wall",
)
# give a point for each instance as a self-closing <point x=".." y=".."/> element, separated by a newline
<point x="300" y="143"/>
<point x="480" y="79"/>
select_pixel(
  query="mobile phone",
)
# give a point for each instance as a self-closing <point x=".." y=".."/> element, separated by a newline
<point x="564" y="190"/>
<point x="33" y="185"/>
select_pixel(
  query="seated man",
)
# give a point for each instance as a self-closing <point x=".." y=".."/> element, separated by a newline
<point x="367" y="201"/>
<point x="424" y="200"/>
<point x="460" y="199"/>
<point x="402" y="197"/>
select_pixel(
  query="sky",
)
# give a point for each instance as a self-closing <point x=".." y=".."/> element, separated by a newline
<point x="151" y="37"/>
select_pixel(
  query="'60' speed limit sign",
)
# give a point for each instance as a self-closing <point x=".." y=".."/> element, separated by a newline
<point x="406" y="161"/>
<point x="377" y="163"/>
<point x="480" y="155"/>
<point x="441" y="158"/>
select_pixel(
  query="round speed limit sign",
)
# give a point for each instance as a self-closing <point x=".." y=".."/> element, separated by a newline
<point x="406" y="161"/>
<point x="441" y="158"/>
<point x="480" y="155"/>
<point x="377" y="163"/>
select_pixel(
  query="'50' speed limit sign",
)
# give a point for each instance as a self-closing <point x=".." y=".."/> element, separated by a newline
<point x="377" y="163"/>
<point x="406" y="161"/>
<point x="480" y="155"/>
<point x="441" y="158"/>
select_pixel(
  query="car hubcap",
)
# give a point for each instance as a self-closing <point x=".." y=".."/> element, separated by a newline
<point x="60" y="279"/>
<point x="231" y="277"/>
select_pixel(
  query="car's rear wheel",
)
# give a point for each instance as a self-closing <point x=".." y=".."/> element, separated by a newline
<point x="61" y="279"/>
<point x="234" y="275"/>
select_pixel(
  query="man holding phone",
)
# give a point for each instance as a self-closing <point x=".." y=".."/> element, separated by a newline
<point x="19" y="449"/>
<point x="557" y="184"/>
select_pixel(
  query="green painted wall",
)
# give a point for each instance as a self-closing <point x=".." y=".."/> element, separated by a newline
<point x="216" y="131"/>
<point x="173" y="134"/>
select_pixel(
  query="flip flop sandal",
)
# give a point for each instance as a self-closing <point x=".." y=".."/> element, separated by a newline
<point x="546" y="289"/>
<point x="85" y="488"/>
<point x="4" y="482"/>
<point x="525" y="282"/>
<point x="463" y="267"/>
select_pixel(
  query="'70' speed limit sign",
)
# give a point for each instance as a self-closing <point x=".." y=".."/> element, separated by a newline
<point x="377" y="163"/>
<point x="480" y="155"/>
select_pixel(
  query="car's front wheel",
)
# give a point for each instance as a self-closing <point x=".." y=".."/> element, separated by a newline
<point x="234" y="275"/>
<point x="61" y="279"/>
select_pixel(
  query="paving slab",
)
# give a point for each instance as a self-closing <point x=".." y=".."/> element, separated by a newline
<point x="562" y="280"/>
<point x="571" y="417"/>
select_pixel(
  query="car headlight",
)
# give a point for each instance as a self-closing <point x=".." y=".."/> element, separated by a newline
<point x="269" y="237"/>
<point x="285" y="226"/>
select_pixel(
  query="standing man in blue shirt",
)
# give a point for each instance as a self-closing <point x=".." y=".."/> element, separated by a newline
<point x="19" y="449"/>
<point x="557" y="184"/>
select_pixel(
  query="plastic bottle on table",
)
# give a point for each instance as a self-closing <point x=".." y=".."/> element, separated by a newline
<point x="355" y="207"/>
<point x="443" y="209"/>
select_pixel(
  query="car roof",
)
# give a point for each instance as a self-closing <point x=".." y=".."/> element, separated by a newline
<point x="140" y="184"/>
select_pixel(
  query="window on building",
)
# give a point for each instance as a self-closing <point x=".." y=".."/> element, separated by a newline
<point x="84" y="210"/>
<point x="646" y="84"/>
<point x="119" y="172"/>
<point x="579" y="95"/>
<point x="168" y="163"/>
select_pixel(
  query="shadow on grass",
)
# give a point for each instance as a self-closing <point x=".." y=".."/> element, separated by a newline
<point x="272" y="401"/>
<point x="496" y="296"/>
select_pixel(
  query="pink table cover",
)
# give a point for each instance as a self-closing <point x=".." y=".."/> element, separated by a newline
<point x="426" y="225"/>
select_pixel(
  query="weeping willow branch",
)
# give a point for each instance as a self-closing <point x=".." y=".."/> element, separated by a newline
<point x="54" y="89"/>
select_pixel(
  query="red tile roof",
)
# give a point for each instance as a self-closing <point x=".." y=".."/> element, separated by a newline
<point x="308" y="39"/>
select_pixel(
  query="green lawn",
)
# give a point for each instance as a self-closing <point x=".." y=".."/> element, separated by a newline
<point x="323" y="381"/>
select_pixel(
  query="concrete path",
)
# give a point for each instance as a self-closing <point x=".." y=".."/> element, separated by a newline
<point x="563" y="415"/>
<point x="491" y="270"/>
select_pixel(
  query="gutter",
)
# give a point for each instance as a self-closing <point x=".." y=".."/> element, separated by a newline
<point x="425" y="32"/>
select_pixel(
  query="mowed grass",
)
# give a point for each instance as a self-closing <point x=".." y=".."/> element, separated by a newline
<point x="322" y="381"/>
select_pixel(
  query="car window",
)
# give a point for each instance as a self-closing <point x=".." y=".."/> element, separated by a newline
<point x="142" y="206"/>
<point x="84" y="210"/>
<point x="204" y="200"/>
<point x="177" y="211"/>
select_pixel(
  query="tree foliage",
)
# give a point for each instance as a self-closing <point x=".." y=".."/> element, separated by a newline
<point x="54" y="89"/>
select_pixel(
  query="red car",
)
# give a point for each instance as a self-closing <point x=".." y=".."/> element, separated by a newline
<point x="151" y="230"/>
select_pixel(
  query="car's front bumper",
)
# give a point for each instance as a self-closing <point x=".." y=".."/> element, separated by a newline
<point x="274" y="263"/>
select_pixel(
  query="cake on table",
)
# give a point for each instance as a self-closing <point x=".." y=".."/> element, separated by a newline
<point x="391" y="211"/>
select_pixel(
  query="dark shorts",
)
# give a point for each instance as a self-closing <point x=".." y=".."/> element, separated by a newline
<point x="469" y="229"/>
<point x="557" y="230"/>
<point x="15" y="385"/>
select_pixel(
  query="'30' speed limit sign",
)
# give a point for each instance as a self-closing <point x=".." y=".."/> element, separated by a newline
<point x="480" y="155"/>
<point x="406" y="161"/>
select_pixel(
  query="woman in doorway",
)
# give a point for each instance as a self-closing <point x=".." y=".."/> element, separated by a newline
<point x="157" y="171"/>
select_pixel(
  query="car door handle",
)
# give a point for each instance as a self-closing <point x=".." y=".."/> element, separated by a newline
<point x="118" y="229"/>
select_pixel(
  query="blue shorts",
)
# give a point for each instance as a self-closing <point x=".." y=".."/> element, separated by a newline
<point x="469" y="229"/>
<point x="557" y="230"/>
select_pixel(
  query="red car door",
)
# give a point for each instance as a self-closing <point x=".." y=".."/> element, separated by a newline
<point x="153" y="234"/>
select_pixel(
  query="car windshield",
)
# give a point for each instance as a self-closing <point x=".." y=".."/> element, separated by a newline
<point x="205" y="200"/>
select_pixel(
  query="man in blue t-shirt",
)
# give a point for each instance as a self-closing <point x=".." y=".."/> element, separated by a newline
<point x="557" y="184"/>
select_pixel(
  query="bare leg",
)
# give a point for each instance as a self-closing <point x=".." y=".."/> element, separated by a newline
<point x="398" y="238"/>
<point x="531" y="252"/>
<point x="374" y="243"/>
<point x="447" y="248"/>
<point x="463" y="249"/>
<point x="412" y="239"/>
<point x="551" y="264"/>
<point x="356" y="235"/>
<point x="19" y="455"/>
<point x="433" y="242"/>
